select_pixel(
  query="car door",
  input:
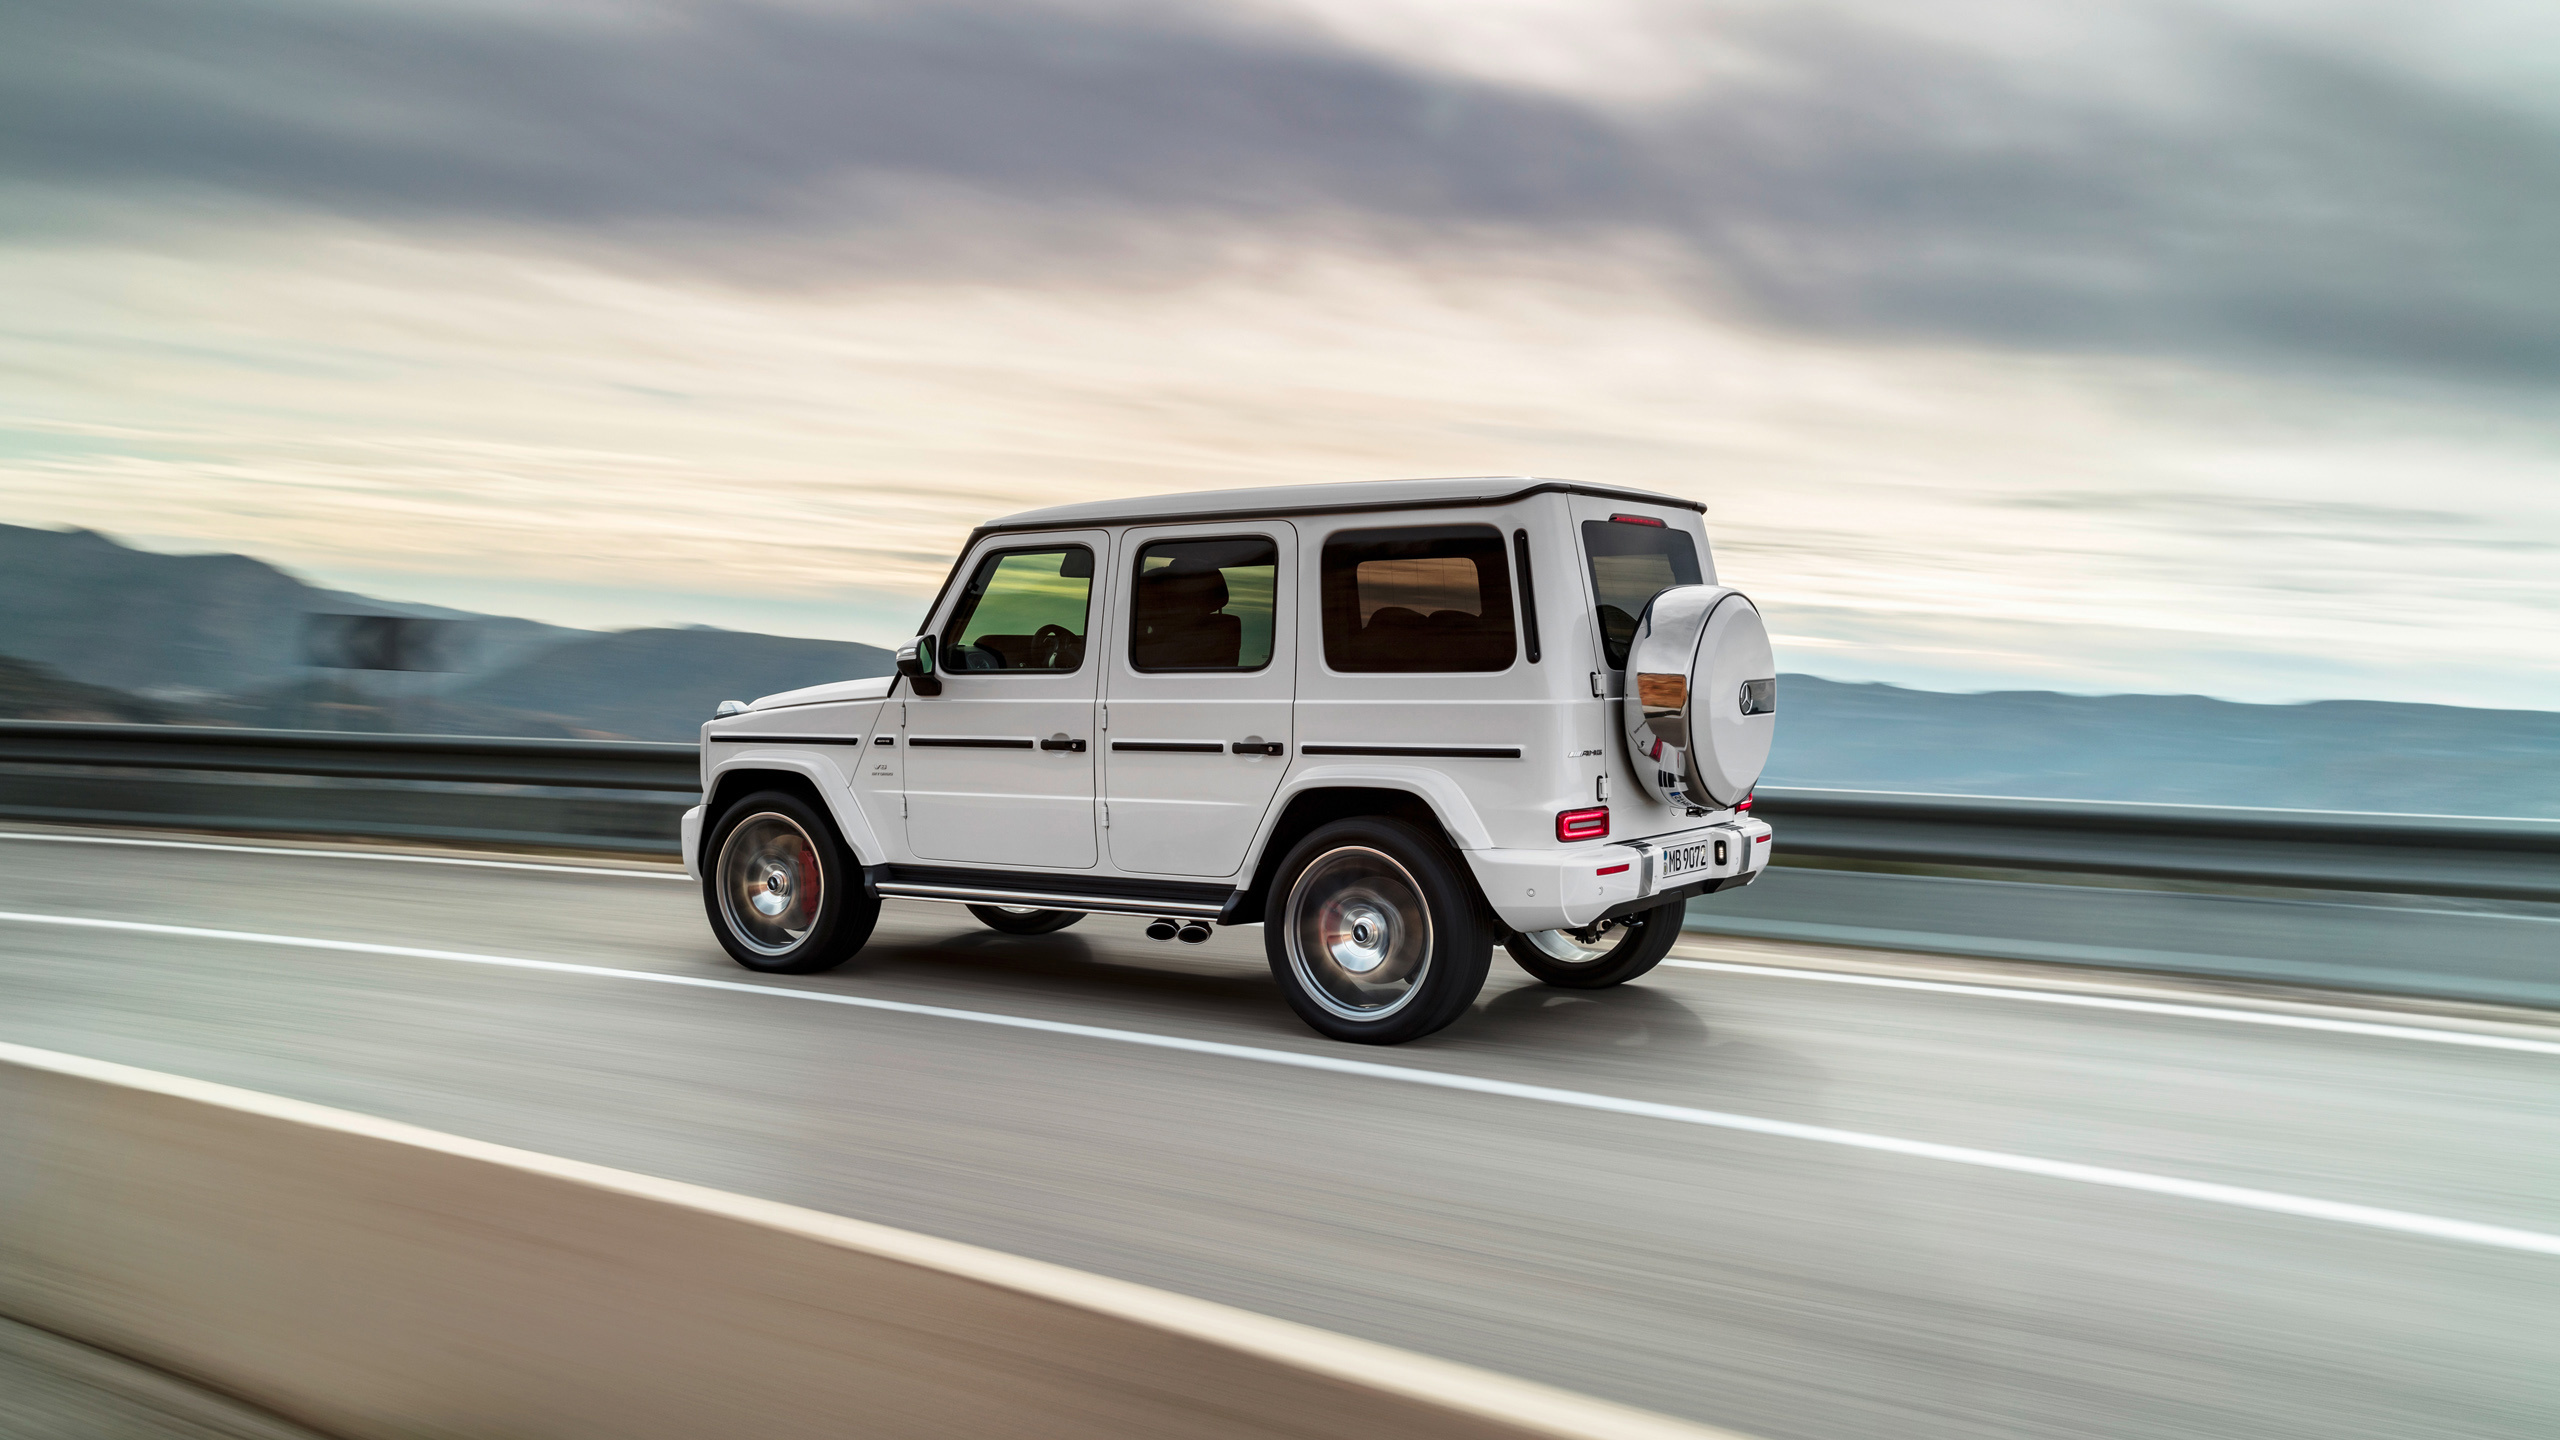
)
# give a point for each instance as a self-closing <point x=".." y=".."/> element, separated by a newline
<point x="1199" y="693"/>
<point x="1000" y="764"/>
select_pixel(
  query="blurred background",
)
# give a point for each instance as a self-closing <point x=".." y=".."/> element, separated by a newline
<point x="2047" y="365"/>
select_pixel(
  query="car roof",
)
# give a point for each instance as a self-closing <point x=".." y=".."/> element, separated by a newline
<point x="1317" y="500"/>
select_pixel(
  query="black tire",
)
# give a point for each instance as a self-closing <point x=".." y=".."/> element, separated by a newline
<point x="1014" y="921"/>
<point x="1629" y="948"/>
<point x="1431" y="943"/>
<point x="771" y="834"/>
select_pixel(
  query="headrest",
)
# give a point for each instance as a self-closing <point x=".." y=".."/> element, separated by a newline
<point x="1180" y="591"/>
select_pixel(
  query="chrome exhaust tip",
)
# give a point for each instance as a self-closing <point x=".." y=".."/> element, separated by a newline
<point x="1162" y="929"/>
<point x="1191" y="934"/>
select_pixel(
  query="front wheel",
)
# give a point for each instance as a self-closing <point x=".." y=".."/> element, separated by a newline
<point x="780" y="887"/>
<point x="1374" y="933"/>
<point x="1596" y="957"/>
<point x="1024" y="919"/>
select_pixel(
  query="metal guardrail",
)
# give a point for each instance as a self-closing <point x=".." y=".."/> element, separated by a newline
<point x="457" y="759"/>
<point x="569" y="794"/>
<point x="2486" y="857"/>
<point x="127" y="774"/>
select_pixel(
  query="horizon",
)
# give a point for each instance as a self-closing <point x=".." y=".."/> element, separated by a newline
<point x="890" y="643"/>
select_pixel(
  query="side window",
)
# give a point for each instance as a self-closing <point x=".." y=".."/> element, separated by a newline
<point x="1022" y="610"/>
<point x="1203" y="604"/>
<point x="1631" y="562"/>
<point x="1421" y="598"/>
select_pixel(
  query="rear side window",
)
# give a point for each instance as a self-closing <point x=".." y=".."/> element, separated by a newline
<point x="1630" y="564"/>
<point x="1203" y="604"/>
<point x="1023" y="610"/>
<point x="1422" y="598"/>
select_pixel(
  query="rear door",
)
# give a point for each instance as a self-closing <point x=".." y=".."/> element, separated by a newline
<point x="1201" y="676"/>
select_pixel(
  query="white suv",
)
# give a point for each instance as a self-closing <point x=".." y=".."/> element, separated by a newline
<point x="1395" y="723"/>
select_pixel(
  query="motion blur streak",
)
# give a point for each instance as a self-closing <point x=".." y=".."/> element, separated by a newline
<point x="2433" y="1227"/>
<point x="2139" y="1007"/>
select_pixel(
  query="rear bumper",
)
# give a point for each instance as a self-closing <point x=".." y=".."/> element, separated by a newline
<point x="1566" y="889"/>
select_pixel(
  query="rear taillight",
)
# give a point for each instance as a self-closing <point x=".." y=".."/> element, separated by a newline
<point x="1636" y="520"/>
<point x="1743" y="804"/>
<point x="1591" y="824"/>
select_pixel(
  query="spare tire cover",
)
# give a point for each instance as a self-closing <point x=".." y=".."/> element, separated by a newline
<point x="1702" y="696"/>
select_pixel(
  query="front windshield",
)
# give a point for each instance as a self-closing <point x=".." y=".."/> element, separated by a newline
<point x="1630" y="564"/>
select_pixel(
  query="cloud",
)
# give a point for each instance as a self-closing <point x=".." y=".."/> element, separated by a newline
<point x="2243" y="194"/>
<point x="755" y="115"/>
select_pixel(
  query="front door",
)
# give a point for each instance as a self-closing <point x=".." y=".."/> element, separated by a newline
<point x="1000" y="765"/>
<point x="1201" y="679"/>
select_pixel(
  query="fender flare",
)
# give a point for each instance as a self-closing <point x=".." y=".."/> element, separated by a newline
<point x="1456" y="813"/>
<point x="824" y="774"/>
<point x="1441" y="796"/>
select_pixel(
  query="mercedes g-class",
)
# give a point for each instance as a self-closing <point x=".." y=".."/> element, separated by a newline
<point x="1394" y="723"/>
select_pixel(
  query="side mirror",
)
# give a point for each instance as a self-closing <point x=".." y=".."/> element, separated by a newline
<point x="915" y="661"/>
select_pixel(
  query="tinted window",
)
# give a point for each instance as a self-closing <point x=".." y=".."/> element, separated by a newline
<point x="1023" y="610"/>
<point x="1431" y="597"/>
<point x="1630" y="564"/>
<point x="1203" y="605"/>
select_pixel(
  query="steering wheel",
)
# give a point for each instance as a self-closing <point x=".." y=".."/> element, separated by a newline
<point x="1048" y="645"/>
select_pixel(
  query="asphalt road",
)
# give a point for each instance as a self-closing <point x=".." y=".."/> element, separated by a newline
<point x="1684" y="1194"/>
<point x="2505" y="952"/>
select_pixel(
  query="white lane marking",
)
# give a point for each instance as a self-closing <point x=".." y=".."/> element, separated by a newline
<point x="2275" y="1202"/>
<point x="2140" y="1007"/>
<point x="339" y="854"/>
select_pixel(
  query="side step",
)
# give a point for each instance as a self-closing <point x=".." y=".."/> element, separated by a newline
<point x="1050" y="892"/>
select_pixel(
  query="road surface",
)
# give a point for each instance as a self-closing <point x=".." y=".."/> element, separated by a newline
<point x="1756" y="1189"/>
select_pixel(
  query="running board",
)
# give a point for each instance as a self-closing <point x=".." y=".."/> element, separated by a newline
<point x="1184" y="901"/>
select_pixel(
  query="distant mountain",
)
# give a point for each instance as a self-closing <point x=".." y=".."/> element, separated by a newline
<point x="662" y="684"/>
<point x="39" y="692"/>
<point x="224" y="639"/>
<point x="221" y="639"/>
<point x="109" y="614"/>
<point x="2180" y="749"/>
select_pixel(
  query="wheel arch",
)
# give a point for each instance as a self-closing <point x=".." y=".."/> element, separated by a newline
<point x="1435" y="808"/>
<point x="811" y="779"/>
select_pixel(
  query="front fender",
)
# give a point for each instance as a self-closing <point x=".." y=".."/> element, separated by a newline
<point x="825" y="774"/>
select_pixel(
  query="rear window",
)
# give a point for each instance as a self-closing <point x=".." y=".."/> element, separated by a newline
<point x="1630" y="564"/>
<point x="1418" y="598"/>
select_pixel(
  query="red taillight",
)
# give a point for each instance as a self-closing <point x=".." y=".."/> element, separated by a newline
<point x="1636" y="520"/>
<point x="1743" y="804"/>
<point x="1591" y="824"/>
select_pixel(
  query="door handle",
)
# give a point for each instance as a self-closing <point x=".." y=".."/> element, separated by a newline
<point x="1259" y="747"/>
<point x="1061" y="742"/>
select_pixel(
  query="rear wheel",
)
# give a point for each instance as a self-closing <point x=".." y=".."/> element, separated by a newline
<point x="1374" y="934"/>
<point x="1024" y="919"/>
<point x="780" y="887"/>
<point x="1598" y="956"/>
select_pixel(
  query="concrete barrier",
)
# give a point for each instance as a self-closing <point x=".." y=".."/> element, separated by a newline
<point x="370" y="1279"/>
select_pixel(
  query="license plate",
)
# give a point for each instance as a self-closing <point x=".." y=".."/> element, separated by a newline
<point x="1691" y="857"/>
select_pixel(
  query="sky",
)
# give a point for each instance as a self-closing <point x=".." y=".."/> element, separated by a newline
<point x="2121" y="346"/>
